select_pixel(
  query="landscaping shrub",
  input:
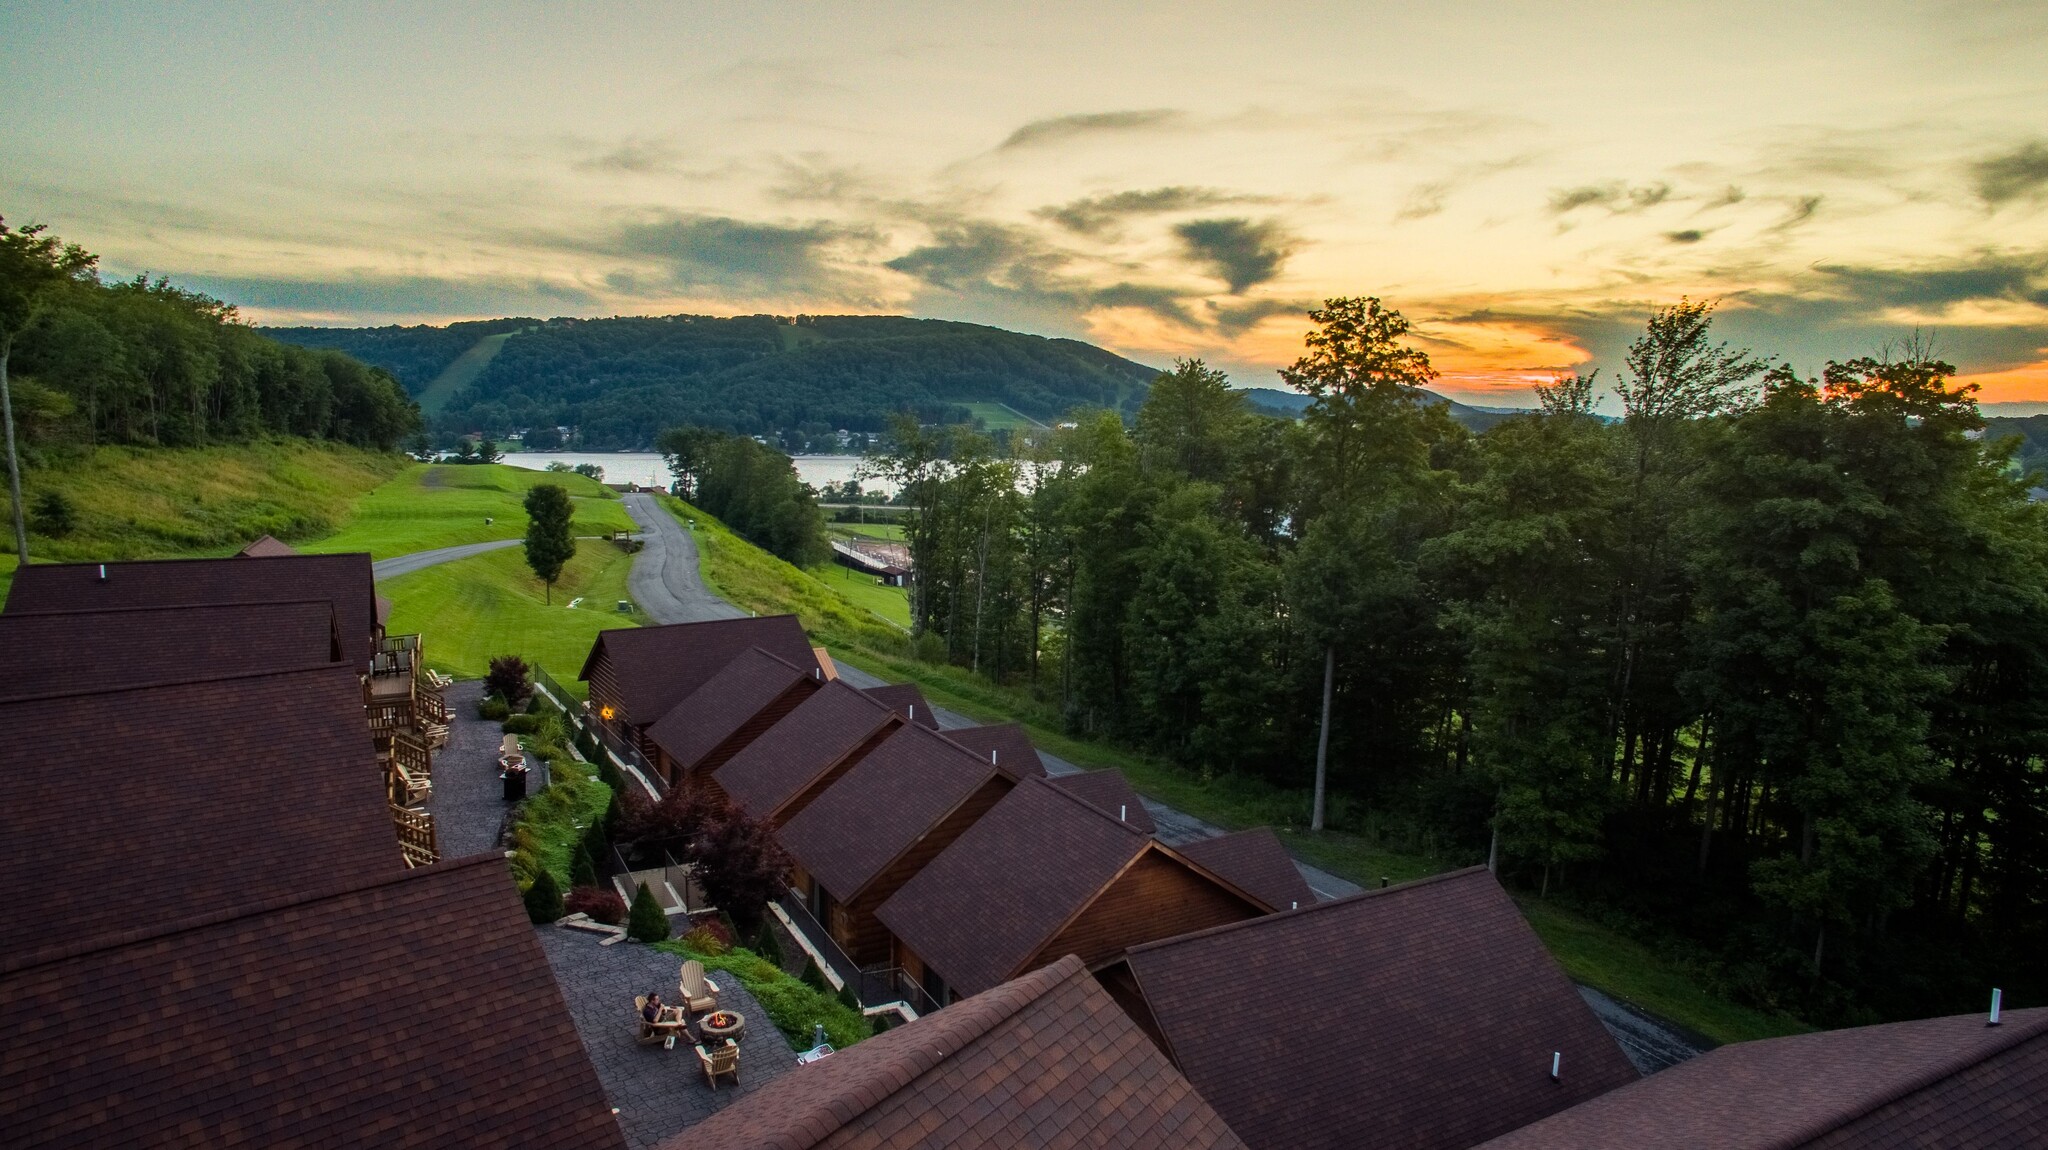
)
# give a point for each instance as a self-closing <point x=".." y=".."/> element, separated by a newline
<point x="740" y="865"/>
<point x="791" y="1005"/>
<point x="881" y="1021"/>
<point x="582" y="872"/>
<point x="601" y="904"/>
<point x="492" y="709"/>
<point x="848" y="998"/>
<point x="522" y="724"/>
<point x="510" y="679"/>
<point x="815" y="978"/>
<point x="645" y="922"/>
<point x="767" y="945"/>
<point x="544" y="898"/>
<point x="703" y="940"/>
<point x="720" y="928"/>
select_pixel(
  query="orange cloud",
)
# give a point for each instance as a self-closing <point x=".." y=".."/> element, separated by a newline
<point x="2026" y="384"/>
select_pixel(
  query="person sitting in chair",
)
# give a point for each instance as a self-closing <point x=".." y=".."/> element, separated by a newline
<point x="658" y="1015"/>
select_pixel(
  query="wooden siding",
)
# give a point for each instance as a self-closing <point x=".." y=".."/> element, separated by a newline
<point x="796" y="803"/>
<point x="604" y="689"/>
<point x="866" y="940"/>
<point x="1155" y="897"/>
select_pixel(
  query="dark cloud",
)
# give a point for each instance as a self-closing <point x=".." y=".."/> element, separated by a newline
<point x="1061" y="128"/>
<point x="1730" y="196"/>
<point x="2020" y="173"/>
<point x="634" y="157"/>
<point x="379" y="295"/>
<point x="1688" y="236"/>
<point x="1162" y="301"/>
<point x="721" y="252"/>
<point x="973" y="252"/>
<point x="2016" y="279"/>
<point x="1240" y="252"/>
<point x="1802" y="210"/>
<point x="1423" y="201"/>
<point x="1615" y="196"/>
<point x="1236" y="318"/>
<point x="1095" y="214"/>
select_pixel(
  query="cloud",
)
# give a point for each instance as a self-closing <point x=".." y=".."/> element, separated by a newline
<point x="2020" y="173"/>
<point x="1241" y="253"/>
<point x="1061" y="128"/>
<point x="1093" y="215"/>
<point x="699" y="251"/>
<point x="367" y="294"/>
<point x="1423" y="201"/>
<point x="971" y="252"/>
<point x="1688" y="236"/>
<point x="634" y="157"/>
<point x="1802" y="211"/>
<point x="1617" y="197"/>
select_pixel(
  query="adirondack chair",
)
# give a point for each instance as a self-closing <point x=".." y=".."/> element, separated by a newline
<point x="699" y="993"/>
<point x="654" y="1033"/>
<point x="720" y="1060"/>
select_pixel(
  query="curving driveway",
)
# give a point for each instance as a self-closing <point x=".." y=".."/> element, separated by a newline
<point x="407" y="564"/>
<point x="664" y="580"/>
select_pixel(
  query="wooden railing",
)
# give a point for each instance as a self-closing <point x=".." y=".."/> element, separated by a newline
<point x="416" y="842"/>
<point x="433" y="708"/>
<point x="389" y="718"/>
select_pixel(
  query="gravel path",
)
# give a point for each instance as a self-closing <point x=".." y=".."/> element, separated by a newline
<point x="419" y="560"/>
<point x="469" y="802"/>
<point x="657" y="1092"/>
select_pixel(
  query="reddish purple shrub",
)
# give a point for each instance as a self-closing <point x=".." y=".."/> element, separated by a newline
<point x="605" y="906"/>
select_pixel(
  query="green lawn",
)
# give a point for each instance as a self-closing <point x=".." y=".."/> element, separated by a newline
<point x="445" y="504"/>
<point x="892" y="531"/>
<point x="891" y="603"/>
<point x="491" y="604"/>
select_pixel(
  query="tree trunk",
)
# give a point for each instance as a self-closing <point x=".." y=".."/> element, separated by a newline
<point x="1323" y="740"/>
<point x="13" y="462"/>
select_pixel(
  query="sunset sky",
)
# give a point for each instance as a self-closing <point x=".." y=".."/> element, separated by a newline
<point x="1525" y="181"/>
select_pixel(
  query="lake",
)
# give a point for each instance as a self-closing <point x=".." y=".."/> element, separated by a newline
<point x="647" y="468"/>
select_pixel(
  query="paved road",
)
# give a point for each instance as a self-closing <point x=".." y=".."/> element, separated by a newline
<point x="664" y="580"/>
<point x="407" y="564"/>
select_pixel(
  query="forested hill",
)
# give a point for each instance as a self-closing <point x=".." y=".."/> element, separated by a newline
<point x="2031" y="454"/>
<point x="620" y="381"/>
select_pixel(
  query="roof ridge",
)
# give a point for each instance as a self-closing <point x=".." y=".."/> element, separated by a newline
<point x="2010" y="1036"/>
<point x="67" y="951"/>
<point x="158" y="685"/>
<point x="1160" y="944"/>
<point x="32" y="613"/>
<point x="204" y="559"/>
<point x="1084" y="804"/>
<point x="944" y="1034"/>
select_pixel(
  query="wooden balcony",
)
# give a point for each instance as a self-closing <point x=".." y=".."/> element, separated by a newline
<point x="401" y="694"/>
<point x="408" y="768"/>
<point x="416" y="842"/>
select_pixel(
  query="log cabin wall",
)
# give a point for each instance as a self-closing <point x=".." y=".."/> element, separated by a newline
<point x="1154" y="898"/>
<point x="604" y="692"/>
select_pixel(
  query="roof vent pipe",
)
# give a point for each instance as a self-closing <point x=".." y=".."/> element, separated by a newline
<point x="991" y="756"/>
<point x="913" y="712"/>
<point x="103" y="573"/>
<point x="1556" y="1062"/>
<point x="1997" y="996"/>
<point x="1122" y="809"/>
<point x="1294" y="905"/>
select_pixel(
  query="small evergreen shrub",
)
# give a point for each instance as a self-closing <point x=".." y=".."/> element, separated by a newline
<point x="768" y="946"/>
<point x="582" y="872"/>
<point x="815" y="978"/>
<point x="645" y="922"/>
<point x="509" y="679"/>
<point x="544" y="898"/>
<point x="602" y="905"/>
<point x="54" y="514"/>
<point x="522" y="724"/>
<point x="492" y="709"/>
<point x="881" y="1021"/>
<point x="848" y="998"/>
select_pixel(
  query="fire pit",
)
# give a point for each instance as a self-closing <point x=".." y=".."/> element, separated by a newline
<point x="722" y="1024"/>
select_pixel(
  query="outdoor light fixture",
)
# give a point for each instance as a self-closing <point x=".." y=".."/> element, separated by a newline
<point x="606" y="712"/>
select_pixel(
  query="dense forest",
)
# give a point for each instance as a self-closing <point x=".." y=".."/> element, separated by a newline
<point x="1755" y="666"/>
<point x="620" y="381"/>
<point x="414" y="355"/>
<point x="143" y="361"/>
<point x="752" y="488"/>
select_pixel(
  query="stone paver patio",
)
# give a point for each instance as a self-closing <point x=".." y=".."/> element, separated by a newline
<point x="657" y="1092"/>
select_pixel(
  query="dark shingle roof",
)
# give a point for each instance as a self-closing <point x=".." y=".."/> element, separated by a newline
<point x="412" y="1011"/>
<point x="1109" y="792"/>
<point x="906" y="700"/>
<point x="881" y="807"/>
<point x="1046" y="1061"/>
<point x="1255" y="861"/>
<point x="658" y="667"/>
<point x="45" y="653"/>
<point x="739" y="691"/>
<point x="987" y="903"/>
<point x="1014" y="754"/>
<point x="1419" y="1016"/>
<point x="1936" y="1082"/>
<point x="344" y="580"/>
<point x="135" y="808"/>
<point x="792" y="754"/>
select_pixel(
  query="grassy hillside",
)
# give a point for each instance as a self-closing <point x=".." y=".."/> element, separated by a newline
<point x="447" y="504"/>
<point x="138" y="503"/>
